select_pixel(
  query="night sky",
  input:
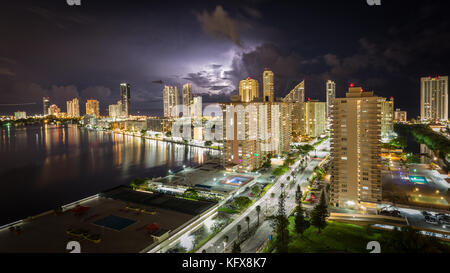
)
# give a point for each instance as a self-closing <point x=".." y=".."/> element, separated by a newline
<point x="48" y="48"/>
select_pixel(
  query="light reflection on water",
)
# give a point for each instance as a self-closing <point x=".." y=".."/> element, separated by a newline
<point x="46" y="166"/>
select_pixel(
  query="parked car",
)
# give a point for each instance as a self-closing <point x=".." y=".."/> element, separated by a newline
<point x="431" y="220"/>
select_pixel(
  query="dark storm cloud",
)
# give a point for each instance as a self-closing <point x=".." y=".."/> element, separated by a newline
<point x="219" y="24"/>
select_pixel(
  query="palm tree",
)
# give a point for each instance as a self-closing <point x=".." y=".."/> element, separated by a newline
<point x="247" y="219"/>
<point x="258" y="210"/>
<point x="239" y="230"/>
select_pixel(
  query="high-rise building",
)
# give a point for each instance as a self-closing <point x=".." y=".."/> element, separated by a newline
<point x="187" y="94"/>
<point x="197" y="107"/>
<point x="248" y="90"/>
<point x="73" y="108"/>
<point x="93" y="108"/>
<point x="314" y="118"/>
<point x="115" y="110"/>
<point x="252" y="131"/>
<point x="331" y="95"/>
<point x="268" y="85"/>
<point x="387" y="117"/>
<point x="170" y="99"/>
<point x="54" y="110"/>
<point x="20" y="115"/>
<point x="46" y="105"/>
<point x="434" y="99"/>
<point x="297" y="94"/>
<point x="125" y="98"/>
<point x="400" y="116"/>
<point x="356" y="150"/>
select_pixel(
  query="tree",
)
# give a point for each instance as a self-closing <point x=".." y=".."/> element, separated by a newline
<point x="320" y="213"/>
<point x="301" y="224"/>
<point x="256" y="190"/>
<point x="247" y="219"/>
<point x="208" y="143"/>
<point x="258" y="210"/>
<point x="236" y="248"/>
<point x="238" y="227"/>
<point x="242" y="202"/>
<point x="280" y="225"/>
<point x="298" y="194"/>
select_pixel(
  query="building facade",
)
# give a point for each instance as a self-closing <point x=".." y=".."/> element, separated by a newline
<point x="356" y="150"/>
<point x="125" y="99"/>
<point x="400" y="116"/>
<point x="46" y="105"/>
<point x="20" y="115"/>
<point x="313" y="118"/>
<point x="197" y="107"/>
<point x="434" y="99"/>
<point x="387" y="117"/>
<point x="252" y="132"/>
<point x="187" y="95"/>
<point x="170" y="99"/>
<point x="331" y="95"/>
<point x="297" y="94"/>
<point x="248" y="90"/>
<point x="54" y="110"/>
<point x="268" y="85"/>
<point x="73" y="108"/>
<point x="93" y="108"/>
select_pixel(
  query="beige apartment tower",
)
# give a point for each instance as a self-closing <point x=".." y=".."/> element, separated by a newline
<point x="313" y="121"/>
<point x="434" y="99"/>
<point x="170" y="100"/>
<point x="93" y="108"/>
<point x="331" y="95"/>
<point x="73" y="108"/>
<point x="268" y="85"/>
<point x="248" y="90"/>
<point x="355" y="150"/>
<point x="252" y="131"/>
<point x="387" y="117"/>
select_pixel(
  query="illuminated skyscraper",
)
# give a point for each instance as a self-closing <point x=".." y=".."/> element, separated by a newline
<point x="54" y="110"/>
<point x="252" y="132"/>
<point x="356" y="150"/>
<point x="46" y="105"/>
<point x="434" y="99"/>
<point x="187" y="94"/>
<point x="93" y="108"/>
<point x="73" y="108"/>
<point x="197" y="108"/>
<point x="331" y="95"/>
<point x="297" y="94"/>
<point x="115" y="110"/>
<point x="314" y="118"/>
<point x="20" y="115"/>
<point x="248" y="90"/>
<point x="125" y="98"/>
<point x="268" y="85"/>
<point x="400" y="116"/>
<point x="170" y="100"/>
<point x="387" y="117"/>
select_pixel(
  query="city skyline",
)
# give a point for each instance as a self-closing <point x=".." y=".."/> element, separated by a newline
<point x="391" y="66"/>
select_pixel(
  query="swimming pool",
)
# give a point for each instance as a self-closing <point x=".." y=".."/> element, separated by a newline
<point x="237" y="180"/>
<point x="114" y="222"/>
<point x="418" y="180"/>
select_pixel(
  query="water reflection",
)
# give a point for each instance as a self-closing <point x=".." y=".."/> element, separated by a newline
<point x="46" y="166"/>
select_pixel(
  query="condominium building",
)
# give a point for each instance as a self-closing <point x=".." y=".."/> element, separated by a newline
<point x="54" y="110"/>
<point x="313" y="118"/>
<point x="170" y="98"/>
<point x="297" y="94"/>
<point x="387" y="117"/>
<point x="268" y="85"/>
<point x="125" y="98"/>
<point x="331" y="95"/>
<point x="400" y="116"/>
<point x="93" y="108"/>
<point x="355" y="150"/>
<point x="197" y="107"/>
<point x="252" y="131"/>
<point x="73" y="108"/>
<point x="46" y="105"/>
<point x="115" y="110"/>
<point x="248" y="90"/>
<point x="187" y="94"/>
<point x="434" y="99"/>
<point x="20" y="115"/>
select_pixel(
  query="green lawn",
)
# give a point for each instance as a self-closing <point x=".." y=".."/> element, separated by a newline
<point x="336" y="237"/>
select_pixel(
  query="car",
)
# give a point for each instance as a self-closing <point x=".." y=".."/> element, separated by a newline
<point x="426" y="213"/>
<point x="432" y="220"/>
